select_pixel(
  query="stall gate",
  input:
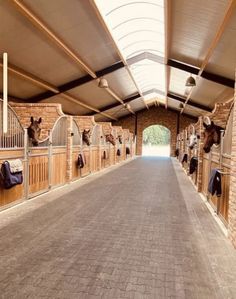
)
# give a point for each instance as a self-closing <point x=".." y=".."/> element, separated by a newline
<point x="86" y="152"/>
<point x="105" y="151"/>
<point x="12" y="146"/>
<point x="219" y="157"/>
<point x="76" y="150"/>
<point x="113" y="149"/>
<point x="95" y="149"/>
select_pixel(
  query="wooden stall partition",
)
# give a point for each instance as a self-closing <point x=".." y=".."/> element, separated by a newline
<point x="119" y="152"/>
<point x="12" y="146"/>
<point x="76" y="150"/>
<point x="96" y="148"/>
<point x="220" y="158"/>
<point x="107" y="149"/>
<point x="132" y="145"/>
<point x="86" y="125"/>
<point x="127" y="143"/>
<point x="58" y="158"/>
<point x="16" y="194"/>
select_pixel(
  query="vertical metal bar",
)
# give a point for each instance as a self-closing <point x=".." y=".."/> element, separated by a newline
<point x="5" y="90"/>
<point x="50" y="161"/>
<point x="26" y="159"/>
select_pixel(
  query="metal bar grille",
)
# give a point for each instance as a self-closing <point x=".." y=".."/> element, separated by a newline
<point x="59" y="132"/>
<point x="76" y="134"/>
<point x="14" y="138"/>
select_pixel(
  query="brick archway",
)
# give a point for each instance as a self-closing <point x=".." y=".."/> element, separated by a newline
<point x="170" y="119"/>
<point x="160" y="121"/>
<point x="157" y="148"/>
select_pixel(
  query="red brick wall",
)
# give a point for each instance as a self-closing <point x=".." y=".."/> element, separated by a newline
<point x="48" y="112"/>
<point x="155" y="116"/>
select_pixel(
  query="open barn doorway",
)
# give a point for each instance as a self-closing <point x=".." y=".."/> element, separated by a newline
<point x="156" y="141"/>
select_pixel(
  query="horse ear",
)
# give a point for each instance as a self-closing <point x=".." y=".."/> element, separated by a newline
<point x="31" y="119"/>
<point x="40" y="120"/>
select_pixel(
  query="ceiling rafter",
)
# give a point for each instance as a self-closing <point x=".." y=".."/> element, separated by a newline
<point x="206" y="75"/>
<point x="27" y="76"/>
<point x="190" y="102"/>
<point x="52" y="90"/>
<point x="227" y="15"/>
<point x="100" y="18"/>
<point x="27" y="12"/>
<point x="167" y="11"/>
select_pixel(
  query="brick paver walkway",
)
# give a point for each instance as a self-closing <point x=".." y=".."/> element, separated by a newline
<point x="138" y="231"/>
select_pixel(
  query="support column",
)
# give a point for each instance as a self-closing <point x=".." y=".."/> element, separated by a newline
<point x="232" y="193"/>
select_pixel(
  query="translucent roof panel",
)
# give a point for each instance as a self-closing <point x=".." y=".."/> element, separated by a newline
<point x="137" y="27"/>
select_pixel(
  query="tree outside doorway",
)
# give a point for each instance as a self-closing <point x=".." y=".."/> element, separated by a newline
<point x="156" y="141"/>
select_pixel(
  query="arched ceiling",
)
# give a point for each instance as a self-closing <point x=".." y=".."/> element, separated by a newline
<point x="59" y="49"/>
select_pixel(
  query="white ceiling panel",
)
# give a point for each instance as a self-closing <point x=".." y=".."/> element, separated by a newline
<point x="207" y="92"/>
<point x="30" y="50"/>
<point x="76" y="23"/>
<point x="91" y="94"/>
<point x="17" y="87"/>
<point x="68" y="107"/>
<point x="194" y="25"/>
<point x="223" y="60"/>
<point x="121" y="82"/>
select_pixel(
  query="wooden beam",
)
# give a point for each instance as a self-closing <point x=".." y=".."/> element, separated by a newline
<point x="29" y="77"/>
<point x="206" y="75"/>
<point x="105" y="27"/>
<point x="50" y="34"/>
<point x="230" y="8"/>
<point x="190" y="102"/>
<point x="77" y="82"/>
<point x="167" y="8"/>
<point x="78" y="102"/>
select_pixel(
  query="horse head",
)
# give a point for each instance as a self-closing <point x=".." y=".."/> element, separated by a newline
<point x="110" y="138"/>
<point x="86" y="136"/>
<point x="193" y="139"/>
<point x="34" y="130"/>
<point x="211" y="134"/>
<point x="119" y="137"/>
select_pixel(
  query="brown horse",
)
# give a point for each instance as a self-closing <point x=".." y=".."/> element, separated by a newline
<point x="86" y="135"/>
<point x="211" y="135"/>
<point x="110" y="138"/>
<point x="34" y="130"/>
<point x="119" y="137"/>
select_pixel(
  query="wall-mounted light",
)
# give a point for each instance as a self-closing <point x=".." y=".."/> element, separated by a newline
<point x="103" y="83"/>
<point x="190" y="82"/>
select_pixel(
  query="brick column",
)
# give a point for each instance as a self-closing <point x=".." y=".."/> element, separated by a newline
<point x="232" y="193"/>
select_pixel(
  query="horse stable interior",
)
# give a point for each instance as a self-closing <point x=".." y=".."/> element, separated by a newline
<point x="82" y="213"/>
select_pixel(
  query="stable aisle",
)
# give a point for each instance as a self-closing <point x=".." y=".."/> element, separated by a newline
<point x="137" y="231"/>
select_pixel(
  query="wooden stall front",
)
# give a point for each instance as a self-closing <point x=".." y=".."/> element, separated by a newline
<point x="12" y="146"/>
<point x="119" y="143"/>
<point x="88" y="152"/>
<point x="107" y="149"/>
<point x="220" y="158"/>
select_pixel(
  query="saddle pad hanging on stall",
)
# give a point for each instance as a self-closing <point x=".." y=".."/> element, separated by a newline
<point x="10" y="179"/>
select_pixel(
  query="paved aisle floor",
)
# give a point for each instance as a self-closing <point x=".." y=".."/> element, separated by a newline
<point x="139" y="231"/>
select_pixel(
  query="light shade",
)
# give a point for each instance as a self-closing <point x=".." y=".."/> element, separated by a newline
<point x="103" y="83"/>
<point x="190" y="81"/>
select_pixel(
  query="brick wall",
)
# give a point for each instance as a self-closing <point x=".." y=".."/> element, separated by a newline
<point x="155" y="116"/>
<point x="48" y="112"/>
<point x="232" y="194"/>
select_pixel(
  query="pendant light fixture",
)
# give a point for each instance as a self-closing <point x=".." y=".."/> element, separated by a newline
<point x="190" y="82"/>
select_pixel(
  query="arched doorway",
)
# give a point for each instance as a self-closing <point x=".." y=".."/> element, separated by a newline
<point x="156" y="141"/>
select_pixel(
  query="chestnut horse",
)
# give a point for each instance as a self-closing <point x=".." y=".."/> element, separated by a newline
<point x="34" y="130"/>
<point x="212" y="134"/>
<point x="86" y="135"/>
<point x="110" y="138"/>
